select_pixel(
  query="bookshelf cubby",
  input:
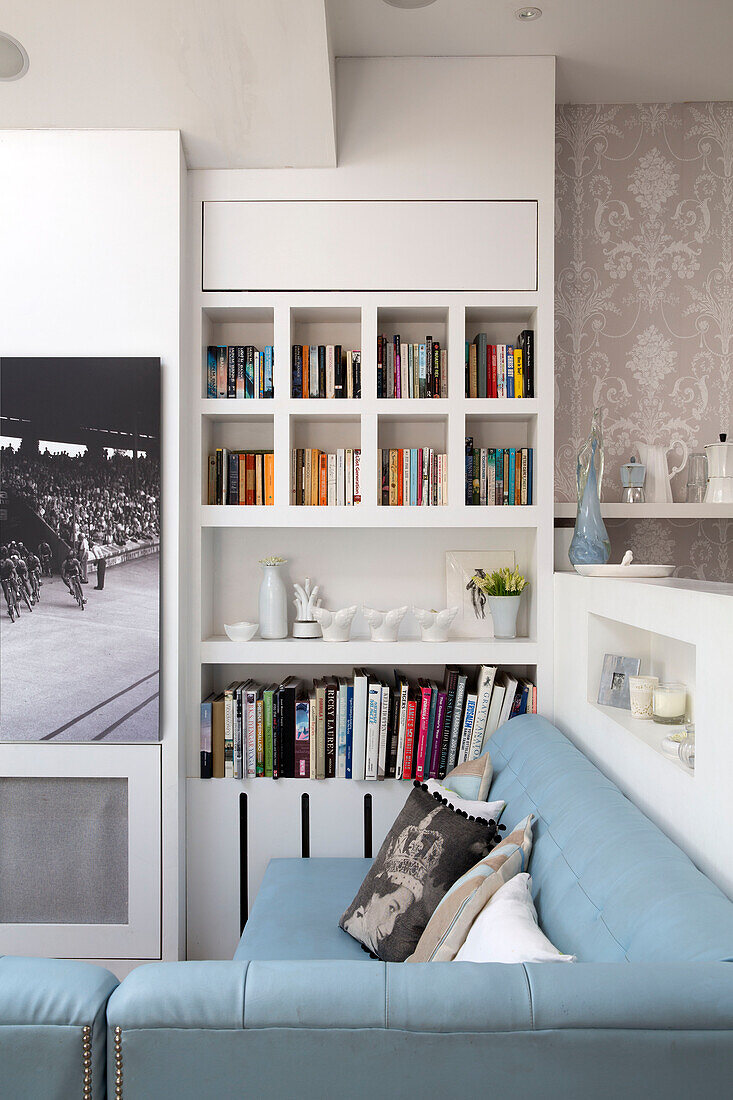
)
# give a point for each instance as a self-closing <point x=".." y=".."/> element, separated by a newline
<point x="413" y="324"/>
<point x="239" y="325"/>
<point x="500" y="327"/>
<point x="327" y="324"/>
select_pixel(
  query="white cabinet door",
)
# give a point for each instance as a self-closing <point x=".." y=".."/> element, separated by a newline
<point x="370" y="245"/>
<point x="80" y="851"/>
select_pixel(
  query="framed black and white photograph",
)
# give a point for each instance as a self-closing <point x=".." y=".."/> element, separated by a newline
<point x="79" y="549"/>
<point x="613" y="690"/>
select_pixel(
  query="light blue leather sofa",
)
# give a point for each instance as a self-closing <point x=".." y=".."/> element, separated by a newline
<point x="647" y="1011"/>
<point x="53" y="1029"/>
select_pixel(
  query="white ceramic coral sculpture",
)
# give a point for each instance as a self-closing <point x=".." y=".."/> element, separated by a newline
<point x="435" y="625"/>
<point x="335" y="625"/>
<point x="305" y="625"/>
<point x="384" y="626"/>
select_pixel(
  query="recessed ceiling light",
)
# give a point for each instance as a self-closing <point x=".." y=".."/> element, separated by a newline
<point x="526" y="15"/>
<point x="409" y="3"/>
<point x="13" y="58"/>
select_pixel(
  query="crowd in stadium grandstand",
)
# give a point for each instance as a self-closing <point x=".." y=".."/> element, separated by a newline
<point x="105" y="500"/>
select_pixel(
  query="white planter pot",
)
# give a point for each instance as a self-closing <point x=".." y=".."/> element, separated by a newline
<point x="273" y="604"/>
<point x="384" y="626"/>
<point x="336" y="625"/>
<point x="504" y="611"/>
<point x="435" y="625"/>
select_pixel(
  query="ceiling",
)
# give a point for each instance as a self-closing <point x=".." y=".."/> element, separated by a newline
<point x="608" y="51"/>
<point x="250" y="82"/>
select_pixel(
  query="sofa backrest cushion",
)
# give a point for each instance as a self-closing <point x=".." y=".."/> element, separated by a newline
<point x="609" y="885"/>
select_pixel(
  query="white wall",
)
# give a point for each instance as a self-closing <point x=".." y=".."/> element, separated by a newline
<point x="90" y="240"/>
<point x="680" y="630"/>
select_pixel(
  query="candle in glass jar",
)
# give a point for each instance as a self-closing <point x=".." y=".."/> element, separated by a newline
<point x="670" y="701"/>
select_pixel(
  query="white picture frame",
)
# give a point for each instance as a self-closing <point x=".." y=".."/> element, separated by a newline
<point x="613" y="688"/>
<point x="460" y="566"/>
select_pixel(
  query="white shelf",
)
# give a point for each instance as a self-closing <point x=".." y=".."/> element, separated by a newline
<point x="361" y="651"/>
<point x="676" y="510"/>
<point x="651" y="733"/>
<point x="362" y="515"/>
<point x="241" y="408"/>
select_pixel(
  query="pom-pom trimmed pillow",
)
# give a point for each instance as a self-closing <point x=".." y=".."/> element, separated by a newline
<point x="426" y="850"/>
<point x="507" y="930"/>
<point x="448" y="927"/>
<point x="484" y="811"/>
<point x="471" y="779"/>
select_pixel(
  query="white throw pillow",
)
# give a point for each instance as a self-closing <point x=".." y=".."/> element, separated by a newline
<point x="482" y="811"/>
<point x="506" y="929"/>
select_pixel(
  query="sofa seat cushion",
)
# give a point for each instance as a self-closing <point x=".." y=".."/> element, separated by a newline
<point x="296" y="912"/>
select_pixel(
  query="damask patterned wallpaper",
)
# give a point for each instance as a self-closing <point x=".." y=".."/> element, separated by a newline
<point x="644" y="301"/>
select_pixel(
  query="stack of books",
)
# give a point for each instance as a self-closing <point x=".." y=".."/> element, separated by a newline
<point x="239" y="371"/>
<point x="241" y="477"/>
<point x="411" y="370"/>
<point x="500" y="370"/>
<point x="325" y="370"/>
<point x="498" y="475"/>
<point x="325" y="479"/>
<point x="357" y="727"/>
<point x="413" y="475"/>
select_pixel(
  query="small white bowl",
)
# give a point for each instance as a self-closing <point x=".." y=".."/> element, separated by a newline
<point x="241" y="632"/>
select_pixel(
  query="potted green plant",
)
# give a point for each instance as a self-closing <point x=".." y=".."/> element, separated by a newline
<point x="503" y="589"/>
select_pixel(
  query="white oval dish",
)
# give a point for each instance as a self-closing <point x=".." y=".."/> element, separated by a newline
<point x="629" y="571"/>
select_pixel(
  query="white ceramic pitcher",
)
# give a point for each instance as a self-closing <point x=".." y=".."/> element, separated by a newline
<point x="658" y="489"/>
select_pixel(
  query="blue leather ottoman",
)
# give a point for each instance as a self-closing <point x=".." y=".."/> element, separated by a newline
<point x="53" y="1029"/>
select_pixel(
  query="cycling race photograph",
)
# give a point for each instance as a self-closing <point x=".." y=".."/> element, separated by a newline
<point x="79" y="549"/>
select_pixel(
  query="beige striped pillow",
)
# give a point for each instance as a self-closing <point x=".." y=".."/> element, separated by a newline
<point x="449" y="925"/>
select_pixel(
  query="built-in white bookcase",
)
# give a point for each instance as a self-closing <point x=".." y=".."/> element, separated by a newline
<point x="363" y="554"/>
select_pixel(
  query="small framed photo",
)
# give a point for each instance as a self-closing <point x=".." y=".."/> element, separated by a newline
<point x="613" y="690"/>
<point x="473" y="619"/>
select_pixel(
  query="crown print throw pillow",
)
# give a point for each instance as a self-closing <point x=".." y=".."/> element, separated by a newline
<point x="429" y="846"/>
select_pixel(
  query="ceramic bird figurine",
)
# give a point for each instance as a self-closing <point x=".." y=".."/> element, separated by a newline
<point x="435" y="625"/>
<point x="335" y="625"/>
<point x="384" y="625"/>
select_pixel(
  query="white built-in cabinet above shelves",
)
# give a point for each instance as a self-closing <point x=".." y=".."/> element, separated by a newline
<point x="675" y="510"/>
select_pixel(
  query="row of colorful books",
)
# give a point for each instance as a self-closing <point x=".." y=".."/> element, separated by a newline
<point x="413" y="475"/>
<point x="325" y="370"/>
<point x="239" y="370"/>
<point x="241" y="477"/>
<point x="500" y="370"/>
<point x="325" y="479"/>
<point x="411" y="370"/>
<point x="358" y="727"/>
<point x="498" y="475"/>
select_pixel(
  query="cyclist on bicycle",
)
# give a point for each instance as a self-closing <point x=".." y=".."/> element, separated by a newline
<point x="71" y="572"/>
<point x="44" y="553"/>
<point x="9" y="581"/>
<point x="22" y="571"/>
<point x="34" y="574"/>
